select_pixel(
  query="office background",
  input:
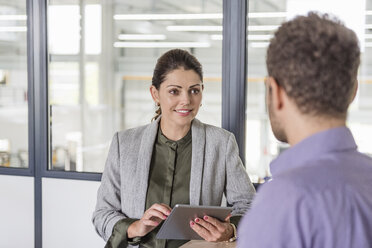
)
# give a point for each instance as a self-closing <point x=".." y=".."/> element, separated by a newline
<point x="72" y="72"/>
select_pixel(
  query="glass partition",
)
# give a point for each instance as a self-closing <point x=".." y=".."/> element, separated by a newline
<point x="101" y="63"/>
<point x="264" y="17"/>
<point x="13" y="85"/>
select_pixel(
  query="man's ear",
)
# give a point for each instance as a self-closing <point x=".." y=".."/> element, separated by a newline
<point x="154" y="94"/>
<point x="355" y="91"/>
<point x="276" y="94"/>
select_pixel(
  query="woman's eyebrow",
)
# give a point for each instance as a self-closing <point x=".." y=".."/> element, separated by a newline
<point x="195" y="85"/>
<point x="178" y="86"/>
<point x="172" y="85"/>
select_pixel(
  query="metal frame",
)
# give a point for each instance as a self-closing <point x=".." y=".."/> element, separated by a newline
<point x="19" y="171"/>
<point x="234" y="57"/>
<point x="37" y="15"/>
<point x="88" y="176"/>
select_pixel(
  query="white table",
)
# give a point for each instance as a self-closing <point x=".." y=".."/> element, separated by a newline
<point x="205" y="244"/>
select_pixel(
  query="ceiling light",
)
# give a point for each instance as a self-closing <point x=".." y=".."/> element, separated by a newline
<point x="250" y="37"/>
<point x="161" y="44"/>
<point x="263" y="28"/>
<point x="259" y="37"/>
<point x="133" y="17"/>
<point x="267" y="14"/>
<point x="216" y="37"/>
<point x="203" y="16"/>
<point x="13" y="17"/>
<point x="259" y="44"/>
<point x="194" y="28"/>
<point x="142" y="37"/>
<point x="13" y="29"/>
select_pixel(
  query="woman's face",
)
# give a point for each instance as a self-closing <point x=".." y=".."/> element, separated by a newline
<point x="179" y="96"/>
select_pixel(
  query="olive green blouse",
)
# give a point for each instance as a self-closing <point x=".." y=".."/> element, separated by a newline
<point x="169" y="183"/>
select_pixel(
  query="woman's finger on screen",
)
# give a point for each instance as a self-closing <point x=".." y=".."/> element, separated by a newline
<point x="209" y="226"/>
<point x="201" y="231"/>
<point x="215" y="222"/>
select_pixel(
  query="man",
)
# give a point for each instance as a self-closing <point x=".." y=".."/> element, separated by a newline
<point x="320" y="194"/>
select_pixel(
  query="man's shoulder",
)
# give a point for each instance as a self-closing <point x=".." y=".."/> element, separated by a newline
<point x="299" y="184"/>
<point x="327" y="180"/>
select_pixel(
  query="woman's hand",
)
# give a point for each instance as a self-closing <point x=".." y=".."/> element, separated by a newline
<point x="150" y="219"/>
<point x="213" y="230"/>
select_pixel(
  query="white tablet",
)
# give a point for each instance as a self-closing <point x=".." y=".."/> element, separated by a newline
<point x="177" y="225"/>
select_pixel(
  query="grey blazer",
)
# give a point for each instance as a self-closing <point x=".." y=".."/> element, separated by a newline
<point x="216" y="169"/>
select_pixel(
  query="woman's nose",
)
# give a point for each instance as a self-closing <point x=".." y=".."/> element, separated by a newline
<point x="185" y="98"/>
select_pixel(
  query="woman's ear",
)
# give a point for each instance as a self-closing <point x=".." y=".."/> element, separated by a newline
<point x="154" y="94"/>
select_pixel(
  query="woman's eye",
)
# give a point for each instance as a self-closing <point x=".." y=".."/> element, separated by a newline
<point x="195" y="91"/>
<point x="173" y="92"/>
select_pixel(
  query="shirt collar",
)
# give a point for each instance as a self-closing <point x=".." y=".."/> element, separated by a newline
<point x="164" y="140"/>
<point x="331" y="140"/>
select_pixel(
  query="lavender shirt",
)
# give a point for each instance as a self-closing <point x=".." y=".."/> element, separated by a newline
<point x="320" y="196"/>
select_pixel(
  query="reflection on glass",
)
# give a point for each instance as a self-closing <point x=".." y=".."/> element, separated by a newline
<point x="13" y="85"/>
<point x="263" y="19"/>
<point x="101" y="64"/>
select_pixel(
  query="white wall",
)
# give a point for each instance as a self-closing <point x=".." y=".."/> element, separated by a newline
<point x="16" y="211"/>
<point x="67" y="210"/>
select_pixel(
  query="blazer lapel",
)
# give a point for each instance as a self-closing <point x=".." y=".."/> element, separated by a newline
<point x="143" y="166"/>
<point x="197" y="161"/>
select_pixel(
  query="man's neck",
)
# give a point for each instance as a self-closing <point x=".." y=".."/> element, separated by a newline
<point x="303" y="127"/>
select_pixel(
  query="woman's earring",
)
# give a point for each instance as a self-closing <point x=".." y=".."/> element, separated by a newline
<point x="157" y="104"/>
<point x="201" y="104"/>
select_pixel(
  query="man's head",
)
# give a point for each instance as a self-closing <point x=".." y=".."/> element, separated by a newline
<point x="314" y="60"/>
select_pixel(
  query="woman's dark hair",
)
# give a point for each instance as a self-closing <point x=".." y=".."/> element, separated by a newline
<point x="170" y="61"/>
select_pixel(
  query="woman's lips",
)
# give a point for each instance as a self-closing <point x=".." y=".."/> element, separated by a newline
<point x="183" y="112"/>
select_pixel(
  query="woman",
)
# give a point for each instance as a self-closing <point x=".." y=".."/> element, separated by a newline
<point x="174" y="160"/>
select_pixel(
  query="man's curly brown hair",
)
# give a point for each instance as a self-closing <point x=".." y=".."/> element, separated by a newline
<point x="315" y="59"/>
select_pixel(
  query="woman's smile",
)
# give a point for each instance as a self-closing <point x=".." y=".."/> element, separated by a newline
<point x="183" y="112"/>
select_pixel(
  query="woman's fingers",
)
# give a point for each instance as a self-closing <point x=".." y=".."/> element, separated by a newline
<point x="163" y="208"/>
<point x="153" y="213"/>
<point x="201" y="231"/>
<point x="215" y="223"/>
<point x="227" y="219"/>
<point x="157" y="212"/>
<point x="211" y="229"/>
<point x="166" y="206"/>
<point x="207" y="225"/>
<point x="150" y="219"/>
